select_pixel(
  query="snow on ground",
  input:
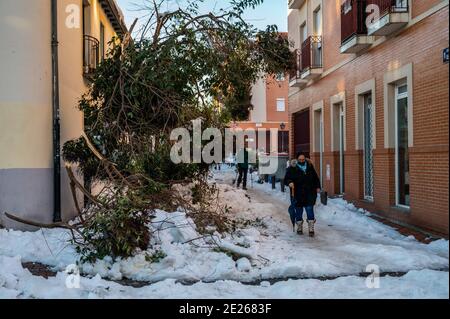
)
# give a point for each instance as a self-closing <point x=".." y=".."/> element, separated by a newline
<point x="347" y="241"/>
<point x="16" y="282"/>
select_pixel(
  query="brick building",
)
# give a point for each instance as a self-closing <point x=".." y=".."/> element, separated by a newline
<point x="270" y="111"/>
<point x="369" y="100"/>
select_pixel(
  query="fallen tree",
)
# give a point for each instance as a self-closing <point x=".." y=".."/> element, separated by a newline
<point x="183" y="66"/>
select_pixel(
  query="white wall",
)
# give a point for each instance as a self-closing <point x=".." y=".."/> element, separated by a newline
<point x="259" y="101"/>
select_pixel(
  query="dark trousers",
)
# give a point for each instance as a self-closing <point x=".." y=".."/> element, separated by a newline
<point x="242" y="177"/>
<point x="297" y="212"/>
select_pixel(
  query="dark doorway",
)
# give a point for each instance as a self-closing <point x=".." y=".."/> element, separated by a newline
<point x="283" y="142"/>
<point x="301" y="133"/>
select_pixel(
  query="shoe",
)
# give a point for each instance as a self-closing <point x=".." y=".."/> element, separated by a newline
<point x="311" y="227"/>
<point x="244" y="188"/>
<point x="300" y="227"/>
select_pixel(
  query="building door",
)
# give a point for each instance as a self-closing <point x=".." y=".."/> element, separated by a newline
<point x="317" y="45"/>
<point x="303" y="34"/>
<point x="341" y="149"/>
<point x="317" y="17"/>
<point x="302" y="133"/>
<point x="401" y="146"/>
<point x="86" y="18"/>
<point x="368" y="147"/>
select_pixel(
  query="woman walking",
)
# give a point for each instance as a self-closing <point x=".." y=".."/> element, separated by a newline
<point x="304" y="184"/>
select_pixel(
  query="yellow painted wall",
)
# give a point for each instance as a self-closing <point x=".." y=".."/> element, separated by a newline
<point x="97" y="16"/>
<point x="25" y="81"/>
<point x="72" y="82"/>
<point x="25" y="85"/>
<point x="26" y="139"/>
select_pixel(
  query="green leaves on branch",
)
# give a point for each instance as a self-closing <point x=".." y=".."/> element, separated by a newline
<point x="184" y="66"/>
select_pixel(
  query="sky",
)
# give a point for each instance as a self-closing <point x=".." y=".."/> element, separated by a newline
<point x="270" y="12"/>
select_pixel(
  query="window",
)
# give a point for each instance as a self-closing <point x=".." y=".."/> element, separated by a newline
<point x="281" y="105"/>
<point x="102" y="42"/>
<point x="318" y="21"/>
<point x="303" y="33"/>
<point x="401" y="146"/>
<point x="86" y="18"/>
<point x="368" y="134"/>
<point x="317" y="47"/>
<point x="392" y="79"/>
<point x="401" y="5"/>
<point x="338" y="143"/>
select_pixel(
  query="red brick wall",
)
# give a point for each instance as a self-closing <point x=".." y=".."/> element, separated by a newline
<point x="421" y="45"/>
<point x="275" y="90"/>
<point x="331" y="37"/>
<point x="421" y="6"/>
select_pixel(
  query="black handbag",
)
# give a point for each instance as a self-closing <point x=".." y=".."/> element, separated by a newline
<point x="324" y="197"/>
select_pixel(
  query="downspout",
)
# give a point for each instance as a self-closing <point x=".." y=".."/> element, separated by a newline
<point x="56" y="116"/>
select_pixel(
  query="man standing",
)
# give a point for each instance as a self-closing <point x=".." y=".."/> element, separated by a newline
<point x="304" y="184"/>
<point x="242" y="164"/>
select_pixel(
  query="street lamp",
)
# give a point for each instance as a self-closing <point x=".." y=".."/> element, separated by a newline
<point x="282" y="126"/>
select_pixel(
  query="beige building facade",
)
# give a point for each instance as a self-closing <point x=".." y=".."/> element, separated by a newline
<point x="26" y="95"/>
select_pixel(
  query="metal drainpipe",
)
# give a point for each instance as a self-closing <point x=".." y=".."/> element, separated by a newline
<point x="56" y="116"/>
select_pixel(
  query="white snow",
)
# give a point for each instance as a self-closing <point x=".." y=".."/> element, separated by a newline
<point x="16" y="282"/>
<point x="347" y="241"/>
<point x="243" y="264"/>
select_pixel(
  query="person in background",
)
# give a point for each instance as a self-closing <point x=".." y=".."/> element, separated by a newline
<point x="304" y="184"/>
<point x="242" y="164"/>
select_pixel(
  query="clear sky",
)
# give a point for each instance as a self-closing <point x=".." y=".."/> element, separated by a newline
<point x="270" y="12"/>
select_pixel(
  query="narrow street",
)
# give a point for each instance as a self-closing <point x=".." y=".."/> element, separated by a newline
<point x="346" y="240"/>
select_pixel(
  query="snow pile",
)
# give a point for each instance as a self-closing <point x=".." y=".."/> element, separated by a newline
<point x="16" y="282"/>
<point x="47" y="246"/>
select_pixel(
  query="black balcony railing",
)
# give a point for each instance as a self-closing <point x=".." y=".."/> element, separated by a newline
<point x="353" y="19"/>
<point x="90" y="54"/>
<point x="308" y="57"/>
<point x="311" y="55"/>
<point x="390" y="6"/>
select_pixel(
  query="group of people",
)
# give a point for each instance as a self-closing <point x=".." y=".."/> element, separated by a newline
<point x="304" y="184"/>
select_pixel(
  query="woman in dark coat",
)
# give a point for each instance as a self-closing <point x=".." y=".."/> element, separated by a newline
<point x="304" y="184"/>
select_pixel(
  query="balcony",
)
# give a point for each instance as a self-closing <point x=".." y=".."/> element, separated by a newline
<point x="90" y="55"/>
<point x="354" y="36"/>
<point x="295" y="74"/>
<point x="295" y="4"/>
<point x="311" y="58"/>
<point x="394" y="15"/>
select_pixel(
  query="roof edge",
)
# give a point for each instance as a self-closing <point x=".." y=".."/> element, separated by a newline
<point x="115" y="14"/>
